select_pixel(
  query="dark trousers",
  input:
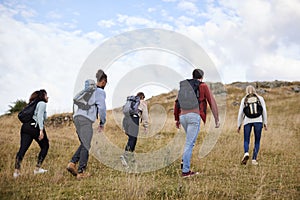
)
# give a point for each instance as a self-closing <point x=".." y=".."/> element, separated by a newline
<point x="131" y="127"/>
<point x="28" y="134"/>
<point x="257" y="135"/>
<point x="84" y="131"/>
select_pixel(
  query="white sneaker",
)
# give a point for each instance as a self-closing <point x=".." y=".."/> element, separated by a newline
<point x="254" y="162"/>
<point x="16" y="174"/>
<point x="245" y="158"/>
<point x="39" y="171"/>
<point x="124" y="162"/>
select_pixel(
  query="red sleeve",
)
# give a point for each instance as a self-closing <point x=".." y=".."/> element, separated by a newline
<point x="212" y="102"/>
<point x="176" y="110"/>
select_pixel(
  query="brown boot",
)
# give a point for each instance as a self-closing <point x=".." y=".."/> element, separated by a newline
<point x="72" y="168"/>
<point x="83" y="175"/>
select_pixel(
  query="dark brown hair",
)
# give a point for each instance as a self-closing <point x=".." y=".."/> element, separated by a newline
<point x="198" y="74"/>
<point x="141" y="95"/>
<point x="100" y="75"/>
<point x="39" y="95"/>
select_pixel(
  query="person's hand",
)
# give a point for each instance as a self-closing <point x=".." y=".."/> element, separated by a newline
<point x="100" y="128"/>
<point x="217" y="124"/>
<point x="266" y="127"/>
<point x="41" y="136"/>
<point x="238" y="129"/>
<point x="145" y="130"/>
<point x="178" y="124"/>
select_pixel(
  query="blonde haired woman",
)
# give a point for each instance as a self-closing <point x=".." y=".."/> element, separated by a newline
<point x="252" y="113"/>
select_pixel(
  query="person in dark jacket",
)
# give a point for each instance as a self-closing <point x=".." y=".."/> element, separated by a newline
<point x="190" y="120"/>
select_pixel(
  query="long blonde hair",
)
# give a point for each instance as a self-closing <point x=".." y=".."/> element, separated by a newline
<point x="250" y="90"/>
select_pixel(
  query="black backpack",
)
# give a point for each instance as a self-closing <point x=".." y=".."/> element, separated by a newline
<point x="26" y="114"/>
<point x="188" y="94"/>
<point x="252" y="106"/>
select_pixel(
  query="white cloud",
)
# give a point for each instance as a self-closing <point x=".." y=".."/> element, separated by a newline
<point x="70" y="25"/>
<point x="188" y="7"/>
<point x="166" y="16"/>
<point x="247" y="40"/>
<point x="151" y="10"/>
<point x="169" y="0"/>
<point x="106" y="23"/>
<point x="36" y="56"/>
<point x="96" y="36"/>
<point x="132" y="22"/>
<point x="251" y="36"/>
<point x="184" y="20"/>
<point x="54" y="15"/>
<point x="18" y="9"/>
<point x="274" y="67"/>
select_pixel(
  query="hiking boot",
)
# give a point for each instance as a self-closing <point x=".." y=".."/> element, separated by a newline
<point x="254" y="162"/>
<point x="245" y="159"/>
<point x="72" y="168"/>
<point x="189" y="174"/>
<point x="124" y="161"/>
<point x="83" y="175"/>
<point x="39" y="171"/>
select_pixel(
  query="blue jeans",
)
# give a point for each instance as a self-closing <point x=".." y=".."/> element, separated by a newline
<point x="257" y="135"/>
<point x="191" y="124"/>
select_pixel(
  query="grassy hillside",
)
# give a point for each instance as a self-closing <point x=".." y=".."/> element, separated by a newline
<point x="221" y="176"/>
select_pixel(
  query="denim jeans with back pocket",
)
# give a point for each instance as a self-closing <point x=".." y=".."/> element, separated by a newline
<point x="191" y="124"/>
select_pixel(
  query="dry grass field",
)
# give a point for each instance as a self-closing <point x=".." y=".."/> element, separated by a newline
<point x="221" y="176"/>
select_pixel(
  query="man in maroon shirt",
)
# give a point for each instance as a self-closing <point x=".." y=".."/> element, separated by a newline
<point x="190" y="120"/>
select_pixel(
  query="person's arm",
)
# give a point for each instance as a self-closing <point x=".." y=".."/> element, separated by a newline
<point x="41" y="117"/>
<point x="264" y="114"/>
<point x="176" y="113"/>
<point x="241" y="115"/>
<point x="212" y="104"/>
<point x="101" y="105"/>
<point x="145" y="116"/>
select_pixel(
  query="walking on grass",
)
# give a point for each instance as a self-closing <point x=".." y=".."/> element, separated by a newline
<point x="253" y="113"/>
<point x="190" y="107"/>
<point x="134" y="110"/>
<point x="33" y="117"/>
<point x="90" y="103"/>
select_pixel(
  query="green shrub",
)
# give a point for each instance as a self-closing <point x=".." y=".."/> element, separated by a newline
<point x="17" y="107"/>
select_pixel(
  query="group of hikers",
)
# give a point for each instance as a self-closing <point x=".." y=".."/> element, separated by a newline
<point x="190" y="108"/>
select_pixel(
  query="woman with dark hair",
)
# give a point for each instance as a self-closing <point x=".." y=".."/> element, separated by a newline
<point x="34" y="130"/>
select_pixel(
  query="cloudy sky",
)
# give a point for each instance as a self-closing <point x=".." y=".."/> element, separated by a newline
<point x="44" y="43"/>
